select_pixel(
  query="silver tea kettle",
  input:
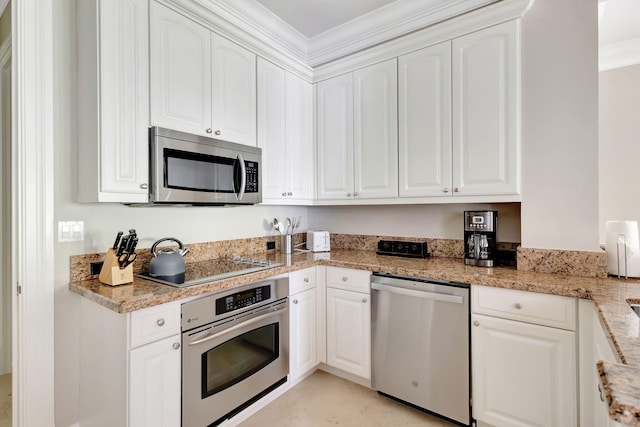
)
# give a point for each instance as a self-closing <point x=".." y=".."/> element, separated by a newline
<point x="167" y="261"/>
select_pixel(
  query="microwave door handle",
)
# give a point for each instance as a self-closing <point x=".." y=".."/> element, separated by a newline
<point x="243" y="177"/>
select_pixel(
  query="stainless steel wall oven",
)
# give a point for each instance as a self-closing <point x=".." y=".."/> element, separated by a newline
<point x="235" y="350"/>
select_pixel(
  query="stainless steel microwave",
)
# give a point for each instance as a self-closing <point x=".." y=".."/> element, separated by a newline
<point x="196" y="170"/>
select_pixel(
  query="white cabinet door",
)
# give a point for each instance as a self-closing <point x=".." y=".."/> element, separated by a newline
<point x="155" y="387"/>
<point x="271" y="129"/>
<point x="486" y="88"/>
<point x="376" y="131"/>
<point x="335" y="137"/>
<point x="424" y="122"/>
<point x="522" y="374"/>
<point x="180" y="72"/>
<point x="349" y="331"/>
<point x="113" y="113"/>
<point x="302" y="333"/>
<point x="234" y="92"/>
<point x="299" y="137"/>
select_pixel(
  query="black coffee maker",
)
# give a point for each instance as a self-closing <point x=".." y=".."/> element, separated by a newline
<point x="480" y="238"/>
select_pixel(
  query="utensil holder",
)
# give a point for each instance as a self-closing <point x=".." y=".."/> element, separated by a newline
<point x="111" y="274"/>
<point x="286" y="244"/>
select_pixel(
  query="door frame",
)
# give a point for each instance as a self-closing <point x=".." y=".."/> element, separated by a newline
<point x="5" y="251"/>
<point x="32" y="212"/>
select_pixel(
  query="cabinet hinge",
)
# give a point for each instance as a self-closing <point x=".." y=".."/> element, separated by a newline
<point x="19" y="289"/>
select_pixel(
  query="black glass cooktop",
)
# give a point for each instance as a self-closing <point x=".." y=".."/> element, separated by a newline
<point x="211" y="270"/>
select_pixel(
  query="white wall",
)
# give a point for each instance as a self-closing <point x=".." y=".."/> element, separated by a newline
<point x="619" y="145"/>
<point x="436" y="221"/>
<point x="102" y="221"/>
<point x="560" y="125"/>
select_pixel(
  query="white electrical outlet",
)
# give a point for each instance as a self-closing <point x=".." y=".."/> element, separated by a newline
<point x="70" y="231"/>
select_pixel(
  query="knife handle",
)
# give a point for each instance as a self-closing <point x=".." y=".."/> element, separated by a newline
<point x="115" y="244"/>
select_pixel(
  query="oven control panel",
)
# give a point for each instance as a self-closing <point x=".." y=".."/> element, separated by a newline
<point x="242" y="299"/>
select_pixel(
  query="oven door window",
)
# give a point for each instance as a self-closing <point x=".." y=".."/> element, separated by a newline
<point x="200" y="172"/>
<point x="240" y="357"/>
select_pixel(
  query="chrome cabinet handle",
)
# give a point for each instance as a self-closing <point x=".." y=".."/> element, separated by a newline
<point x="160" y="322"/>
<point x="295" y="301"/>
<point x="344" y="279"/>
<point x="476" y="323"/>
<point x="284" y="194"/>
<point x="306" y="280"/>
<point x="456" y="190"/>
<point x="144" y="186"/>
<point x="176" y="345"/>
<point x="209" y="130"/>
<point x="364" y="300"/>
<point x="217" y="132"/>
<point x="518" y="306"/>
<point x="600" y="390"/>
<point x="289" y="193"/>
<point x="446" y="189"/>
<point x="348" y="194"/>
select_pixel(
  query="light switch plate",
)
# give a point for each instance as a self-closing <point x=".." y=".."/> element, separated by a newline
<point x="70" y="231"/>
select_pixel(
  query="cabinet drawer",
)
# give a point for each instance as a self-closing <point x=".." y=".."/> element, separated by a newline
<point x="348" y="279"/>
<point x="302" y="280"/>
<point x="541" y="309"/>
<point x="154" y="323"/>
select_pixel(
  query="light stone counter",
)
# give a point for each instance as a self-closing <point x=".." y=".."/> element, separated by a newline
<point x="621" y="381"/>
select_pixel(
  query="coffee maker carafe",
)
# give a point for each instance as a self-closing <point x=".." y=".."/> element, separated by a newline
<point x="480" y="237"/>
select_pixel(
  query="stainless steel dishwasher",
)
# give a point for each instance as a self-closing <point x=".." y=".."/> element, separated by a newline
<point x="420" y="343"/>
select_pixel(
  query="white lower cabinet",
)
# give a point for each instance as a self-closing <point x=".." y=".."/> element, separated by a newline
<point x="303" y="337"/>
<point x="523" y="374"/>
<point x="348" y="326"/>
<point x="155" y="387"/>
<point x="130" y="366"/>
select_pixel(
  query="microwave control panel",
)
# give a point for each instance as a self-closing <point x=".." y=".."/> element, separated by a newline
<point x="252" y="177"/>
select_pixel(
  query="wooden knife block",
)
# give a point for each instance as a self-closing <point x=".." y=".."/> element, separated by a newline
<point x="111" y="273"/>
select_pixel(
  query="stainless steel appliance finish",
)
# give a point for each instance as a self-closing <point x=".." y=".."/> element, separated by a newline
<point x="215" y="269"/>
<point x="420" y="343"/>
<point x="192" y="169"/>
<point x="480" y="238"/>
<point x="235" y="349"/>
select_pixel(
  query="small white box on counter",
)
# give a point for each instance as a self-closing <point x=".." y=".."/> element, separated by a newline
<point x="318" y="241"/>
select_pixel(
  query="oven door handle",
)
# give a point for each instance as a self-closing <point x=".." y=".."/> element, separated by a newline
<point x="256" y="319"/>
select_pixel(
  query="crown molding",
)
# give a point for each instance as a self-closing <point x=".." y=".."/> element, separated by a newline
<point x="384" y="24"/>
<point x="619" y="55"/>
<point x="493" y="14"/>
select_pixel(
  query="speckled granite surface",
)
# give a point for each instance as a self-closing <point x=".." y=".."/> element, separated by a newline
<point x="609" y="295"/>
<point x="573" y="263"/>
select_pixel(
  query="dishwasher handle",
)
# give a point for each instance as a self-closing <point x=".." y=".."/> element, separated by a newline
<point x="457" y="299"/>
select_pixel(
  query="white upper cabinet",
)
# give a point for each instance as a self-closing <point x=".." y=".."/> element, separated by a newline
<point x="357" y="134"/>
<point x="285" y="133"/>
<point x="201" y="83"/>
<point x="424" y="122"/>
<point x="376" y="131"/>
<point x="180" y="72"/>
<point x="234" y="92"/>
<point x="335" y="137"/>
<point x="486" y="87"/>
<point x="113" y="99"/>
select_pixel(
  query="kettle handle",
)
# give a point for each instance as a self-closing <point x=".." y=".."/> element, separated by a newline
<point x="155" y="245"/>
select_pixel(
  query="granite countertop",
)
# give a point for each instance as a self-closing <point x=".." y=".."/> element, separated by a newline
<point x="611" y="297"/>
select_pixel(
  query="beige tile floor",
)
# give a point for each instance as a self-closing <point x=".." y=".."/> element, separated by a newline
<point x="5" y="400"/>
<point x="323" y="399"/>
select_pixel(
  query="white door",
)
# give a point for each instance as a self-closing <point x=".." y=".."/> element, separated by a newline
<point x="180" y="72"/>
<point x="424" y="122"/>
<point x="271" y="129"/>
<point x="335" y="137"/>
<point x="299" y="131"/>
<point x="349" y="331"/>
<point x="376" y="131"/>
<point x="155" y="386"/>
<point x="234" y="92"/>
<point x="522" y="374"/>
<point x="303" y="333"/>
<point x="486" y="111"/>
